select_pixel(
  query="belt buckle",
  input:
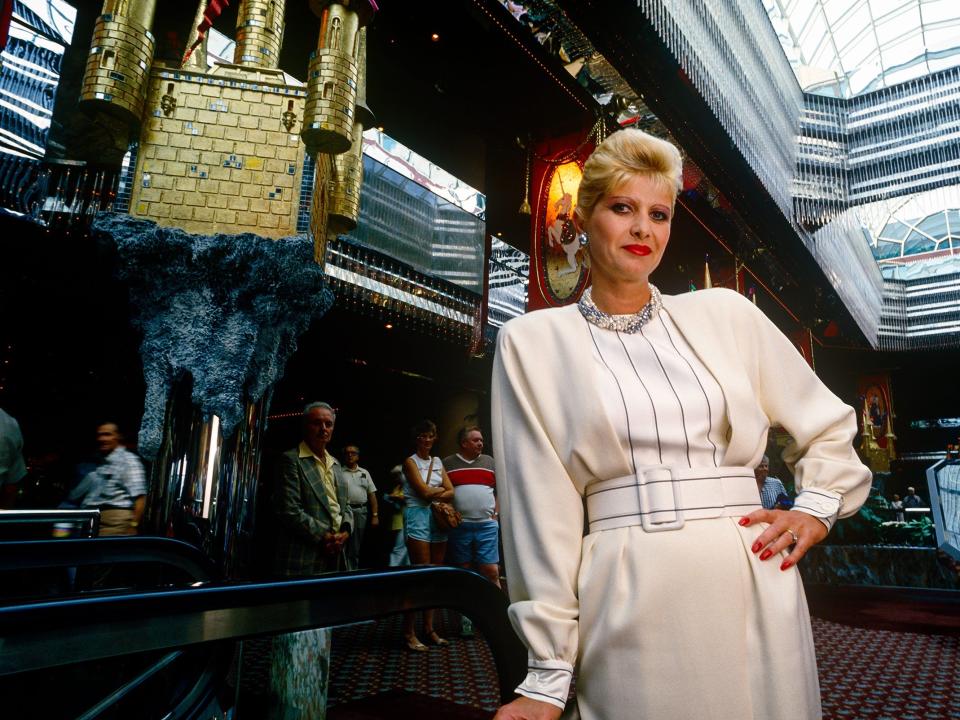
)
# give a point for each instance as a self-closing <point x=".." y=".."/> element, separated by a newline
<point x="646" y="520"/>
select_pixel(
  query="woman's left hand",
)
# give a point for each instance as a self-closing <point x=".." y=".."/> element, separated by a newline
<point x="787" y="527"/>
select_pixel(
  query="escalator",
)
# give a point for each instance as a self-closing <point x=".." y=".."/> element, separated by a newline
<point x="160" y="637"/>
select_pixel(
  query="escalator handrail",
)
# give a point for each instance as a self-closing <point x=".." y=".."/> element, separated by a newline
<point x="59" y="632"/>
<point x="89" y="516"/>
<point x="48" y="515"/>
<point x="34" y="554"/>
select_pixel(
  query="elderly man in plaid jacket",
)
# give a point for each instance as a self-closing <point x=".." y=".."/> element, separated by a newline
<point x="311" y="501"/>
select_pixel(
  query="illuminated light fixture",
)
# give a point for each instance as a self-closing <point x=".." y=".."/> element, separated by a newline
<point x="389" y="326"/>
<point x="499" y="234"/>
<point x="434" y="37"/>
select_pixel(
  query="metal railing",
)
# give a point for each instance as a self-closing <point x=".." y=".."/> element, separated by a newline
<point x="87" y="520"/>
<point x="37" y="554"/>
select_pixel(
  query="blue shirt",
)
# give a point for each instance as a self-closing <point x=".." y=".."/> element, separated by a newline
<point x="117" y="482"/>
<point x="771" y="490"/>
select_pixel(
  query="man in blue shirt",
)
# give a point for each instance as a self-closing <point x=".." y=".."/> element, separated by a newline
<point x="117" y="486"/>
<point x="770" y="487"/>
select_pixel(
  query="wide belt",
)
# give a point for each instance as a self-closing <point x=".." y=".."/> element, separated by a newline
<point x="662" y="497"/>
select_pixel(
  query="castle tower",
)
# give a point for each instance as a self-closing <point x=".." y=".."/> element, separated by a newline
<point x="219" y="149"/>
<point x="118" y="68"/>
<point x="343" y="195"/>
<point x="259" y="33"/>
<point x="332" y="75"/>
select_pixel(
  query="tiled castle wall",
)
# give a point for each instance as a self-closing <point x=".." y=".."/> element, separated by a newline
<point x="223" y="160"/>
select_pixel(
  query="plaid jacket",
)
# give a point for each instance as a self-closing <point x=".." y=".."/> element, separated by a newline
<point x="300" y="504"/>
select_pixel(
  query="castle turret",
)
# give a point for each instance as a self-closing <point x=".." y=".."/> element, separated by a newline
<point x="347" y="177"/>
<point x="259" y="33"/>
<point x="332" y="75"/>
<point x="118" y="68"/>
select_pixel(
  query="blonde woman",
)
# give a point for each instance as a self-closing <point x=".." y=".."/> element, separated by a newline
<point x="681" y="598"/>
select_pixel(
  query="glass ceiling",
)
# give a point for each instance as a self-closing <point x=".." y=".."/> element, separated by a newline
<point x="923" y="225"/>
<point x="843" y="48"/>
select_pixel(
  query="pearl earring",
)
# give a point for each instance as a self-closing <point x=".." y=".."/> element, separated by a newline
<point x="582" y="239"/>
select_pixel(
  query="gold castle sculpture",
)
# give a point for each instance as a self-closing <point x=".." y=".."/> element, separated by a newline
<point x="223" y="149"/>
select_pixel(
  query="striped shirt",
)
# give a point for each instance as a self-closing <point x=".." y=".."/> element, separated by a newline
<point x="474" y="482"/>
<point x="117" y="482"/>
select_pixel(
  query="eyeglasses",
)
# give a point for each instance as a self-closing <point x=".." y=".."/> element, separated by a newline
<point x="427" y="436"/>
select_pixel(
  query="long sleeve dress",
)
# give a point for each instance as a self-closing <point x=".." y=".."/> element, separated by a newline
<point x="660" y="625"/>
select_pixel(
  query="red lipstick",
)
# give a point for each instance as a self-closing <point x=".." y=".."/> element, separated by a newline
<point x="641" y="250"/>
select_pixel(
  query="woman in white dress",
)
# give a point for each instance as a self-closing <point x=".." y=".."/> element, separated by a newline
<point x="627" y="428"/>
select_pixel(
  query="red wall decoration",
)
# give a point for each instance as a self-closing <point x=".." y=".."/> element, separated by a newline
<point x="559" y="269"/>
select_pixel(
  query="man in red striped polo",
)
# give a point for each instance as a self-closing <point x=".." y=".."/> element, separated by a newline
<point x="475" y="543"/>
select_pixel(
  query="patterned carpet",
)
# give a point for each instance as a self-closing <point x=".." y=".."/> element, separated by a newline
<point x="864" y="674"/>
<point x="885" y="675"/>
<point x="370" y="658"/>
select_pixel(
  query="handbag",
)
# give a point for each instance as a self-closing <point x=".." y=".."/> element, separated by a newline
<point x="444" y="514"/>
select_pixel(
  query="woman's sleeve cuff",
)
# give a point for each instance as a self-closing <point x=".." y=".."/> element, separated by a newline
<point x="822" y="504"/>
<point x="547" y="681"/>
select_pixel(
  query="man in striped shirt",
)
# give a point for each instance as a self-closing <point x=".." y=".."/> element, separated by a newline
<point x="118" y="486"/>
<point x="475" y="543"/>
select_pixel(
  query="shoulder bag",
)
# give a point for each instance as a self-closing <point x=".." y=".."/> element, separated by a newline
<point x="444" y="514"/>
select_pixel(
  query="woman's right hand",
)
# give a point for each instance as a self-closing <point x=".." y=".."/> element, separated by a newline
<point x="524" y="708"/>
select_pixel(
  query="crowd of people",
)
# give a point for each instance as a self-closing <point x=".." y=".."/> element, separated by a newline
<point x="324" y="507"/>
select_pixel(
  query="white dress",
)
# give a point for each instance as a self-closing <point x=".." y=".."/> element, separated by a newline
<point x="666" y="625"/>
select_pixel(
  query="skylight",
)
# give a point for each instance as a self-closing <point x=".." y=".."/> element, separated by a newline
<point x="922" y="226"/>
<point x="843" y="48"/>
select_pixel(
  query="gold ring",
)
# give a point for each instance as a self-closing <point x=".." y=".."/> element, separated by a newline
<point x="795" y="537"/>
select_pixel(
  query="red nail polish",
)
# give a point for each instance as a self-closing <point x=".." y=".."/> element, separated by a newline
<point x="786" y="565"/>
<point x="756" y="546"/>
<point x="765" y="554"/>
<point x="744" y="521"/>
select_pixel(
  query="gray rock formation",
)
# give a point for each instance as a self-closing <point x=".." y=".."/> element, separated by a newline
<point x="225" y="309"/>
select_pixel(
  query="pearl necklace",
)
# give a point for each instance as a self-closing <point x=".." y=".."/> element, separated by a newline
<point x="629" y="324"/>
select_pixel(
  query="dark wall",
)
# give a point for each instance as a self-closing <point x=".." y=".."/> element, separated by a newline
<point x="70" y="358"/>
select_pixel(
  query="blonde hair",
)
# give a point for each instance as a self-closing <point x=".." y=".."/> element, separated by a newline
<point x="620" y="157"/>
